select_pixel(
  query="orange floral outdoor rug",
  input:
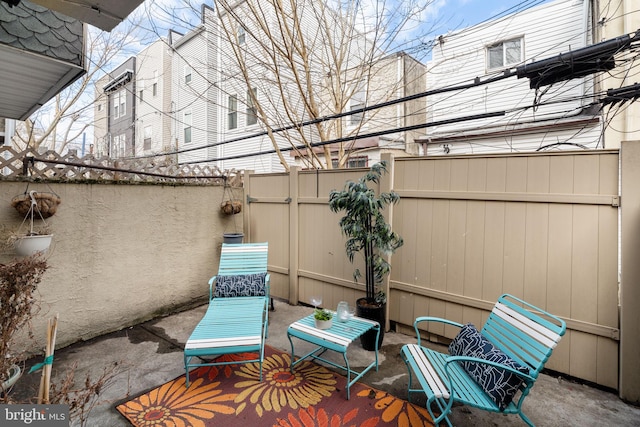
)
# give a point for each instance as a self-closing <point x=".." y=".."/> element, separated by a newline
<point x="231" y="395"/>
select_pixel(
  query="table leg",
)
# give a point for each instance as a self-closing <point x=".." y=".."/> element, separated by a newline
<point x="346" y="364"/>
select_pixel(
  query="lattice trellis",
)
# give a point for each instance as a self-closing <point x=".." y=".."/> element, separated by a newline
<point x="52" y="166"/>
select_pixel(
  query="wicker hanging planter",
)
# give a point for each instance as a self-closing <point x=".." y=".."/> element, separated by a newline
<point x="46" y="204"/>
<point x="231" y="207"/>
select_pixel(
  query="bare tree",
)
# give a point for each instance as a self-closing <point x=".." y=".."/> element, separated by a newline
<point x="67" y="116"/>
<point x="297" y="61"/>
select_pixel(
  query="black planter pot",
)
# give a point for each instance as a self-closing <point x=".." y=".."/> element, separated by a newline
<point x="375" y="313"/>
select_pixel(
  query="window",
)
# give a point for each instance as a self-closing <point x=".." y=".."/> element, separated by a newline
<point x="141" y="95"/>
<point x="115" y="141"/>
<point x="357" y="101"/>
<point x="233" y="112"/>
<point x="252" y="113"/>
<point x="99" y="107"/>
<point x="119" y="104"/>
<point x="147" y="137"/>
<point x="353" y="162"/>
<point x="242" y="35"/>
<point x="154" y="87"/>
<point x="187" y="74"/>
<point x="186" y="123"/>
<point x="118" y="145"/>
<point x="505" y="53"/>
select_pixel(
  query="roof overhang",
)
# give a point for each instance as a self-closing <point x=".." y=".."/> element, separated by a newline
<point x="29" y="80"/>
<point x="104" y="14"/>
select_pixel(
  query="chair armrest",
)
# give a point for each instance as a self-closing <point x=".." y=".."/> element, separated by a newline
<point x="528" y="379"/>
<point x="432" y="319"/>
<point x="267" y="285"/>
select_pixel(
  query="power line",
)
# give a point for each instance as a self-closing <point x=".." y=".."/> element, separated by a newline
<point x="476" y="82"/>
<point x="367" y="135"/>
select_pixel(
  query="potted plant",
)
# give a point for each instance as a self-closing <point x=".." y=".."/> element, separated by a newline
<point x="18" y="282"/>
<point x="36" y="240"/>
<point x="323" y="318"/>
<point x="368" y="233"/>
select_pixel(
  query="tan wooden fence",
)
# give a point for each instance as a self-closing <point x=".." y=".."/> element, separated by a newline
<point x="543" y="227"/>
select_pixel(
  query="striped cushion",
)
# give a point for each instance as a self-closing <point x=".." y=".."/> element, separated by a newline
<point x="499" y="384"/>
<point x="240" y="285"/>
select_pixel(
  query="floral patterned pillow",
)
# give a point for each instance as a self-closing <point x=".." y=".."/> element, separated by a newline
<point x="241" y="285"/>
<point x="499" y="384"/>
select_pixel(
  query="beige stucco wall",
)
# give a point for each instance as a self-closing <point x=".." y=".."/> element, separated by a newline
<point x="122" y="253"/>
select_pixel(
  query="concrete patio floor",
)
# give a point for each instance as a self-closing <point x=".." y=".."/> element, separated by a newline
<point x="150" y="354"/>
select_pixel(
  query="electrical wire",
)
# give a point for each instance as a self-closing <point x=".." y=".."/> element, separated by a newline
<point x="304" y="123"/>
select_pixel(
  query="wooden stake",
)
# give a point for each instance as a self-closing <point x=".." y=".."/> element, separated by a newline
<point x="45" y="380"/>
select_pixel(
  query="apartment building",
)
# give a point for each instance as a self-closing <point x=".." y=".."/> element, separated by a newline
<point x="231" y="107"/>
<point x="114" y="112"/>
<point x="548" y="117"/>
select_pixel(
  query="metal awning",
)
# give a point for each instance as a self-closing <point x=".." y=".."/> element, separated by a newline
<point x="121" y="80"/>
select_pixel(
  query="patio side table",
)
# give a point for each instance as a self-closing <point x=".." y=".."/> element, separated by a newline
<point x="337" y="338"/>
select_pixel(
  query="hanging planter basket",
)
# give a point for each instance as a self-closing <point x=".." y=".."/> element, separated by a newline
<point x="34" y="241"/>
<point x="46" y="204"/>
<point x="231" y="207"/>
<point x="31" y="245"/>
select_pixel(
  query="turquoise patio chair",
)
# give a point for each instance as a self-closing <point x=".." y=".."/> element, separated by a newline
<point x="237" y="318"/>
<point x="493" y="369"/>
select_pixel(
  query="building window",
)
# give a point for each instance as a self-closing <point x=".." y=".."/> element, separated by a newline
<point x="233" y="112"/>
<point x="242" y="35"/>
<point x="357" y="102"/>
<point x="353" y="162"/>
<point x="119" y="104"/>
<point x="186" y="123"/>
<point x="115" y="141"/>
<point x="505" y="53"/>
<point x="147" y="137"/>
<point x="119" y="146"/>
<point x="187" y="74"/>
<point x="100" y="107"/>
<point x="252" y="112"/>
<point x="141" y="95"/>
<point x="154" y="87"/>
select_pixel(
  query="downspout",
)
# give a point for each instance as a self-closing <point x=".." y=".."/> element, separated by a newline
<point x="222" y="126"/>
<point x="401" y="77"/>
